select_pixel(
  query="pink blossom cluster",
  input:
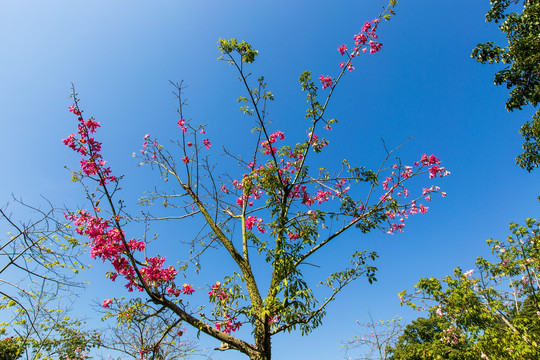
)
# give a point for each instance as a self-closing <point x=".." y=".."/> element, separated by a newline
<point x="294" y="236"/>
<point x="326" y="81"/>
<point x="182" y="125"/>
<point x="285" y="170"/>
<point x="274" y="319"/>
<point x="218" y="293"/>
<point x="229" y="325"/>
<point x="107" y="303"/>
<point x="452" y="335"/>
<point x="368" y="32"/>
<point x="107" y="240"/>
<point x="320" y="196"/>
<point x="254" y="192"/>
<point x="254" y="221"/>
<point x="79" y="355"/>
<point x="366" y="39"/>
<point x="186" y="289"/>
<point x="107" y="243"/>
<point x="267" y="144"/>
<point x="154" y="273"/>
<point x="83" y="143"/>
<point x="395" y="184"/>
<point x="433" y="163"/>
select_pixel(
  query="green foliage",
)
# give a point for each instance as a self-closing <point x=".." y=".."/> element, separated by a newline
<point x="426" y="339"/>
<point x="11" y="349"/>
<point x="496" y="313"/>
<point x="245" y="50"/>
<point x="522" y="70"/>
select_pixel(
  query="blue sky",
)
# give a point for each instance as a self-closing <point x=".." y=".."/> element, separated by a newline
<point x="423" y="84"/>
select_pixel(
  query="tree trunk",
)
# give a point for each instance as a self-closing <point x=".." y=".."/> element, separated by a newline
<point x="262" y="341"/>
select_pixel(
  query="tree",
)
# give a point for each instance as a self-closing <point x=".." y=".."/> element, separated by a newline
<point x="143" y="331"/>
<point x="38" y="260"/>
<point x="376" y="344"/>
<point x="522" y="70"/>
<point x="496" y="314"/>
<point x="431" y="338"/>
<point x="270" y="221"/>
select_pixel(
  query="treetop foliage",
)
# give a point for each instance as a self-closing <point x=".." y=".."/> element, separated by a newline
<point x="521" y="73"/>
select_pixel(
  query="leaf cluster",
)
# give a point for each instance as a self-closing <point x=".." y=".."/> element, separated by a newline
<point x="521" y="73"/>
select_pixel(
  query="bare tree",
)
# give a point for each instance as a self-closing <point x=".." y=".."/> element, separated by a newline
<point x="38" y="261"/>
<point x="375" y="341"/>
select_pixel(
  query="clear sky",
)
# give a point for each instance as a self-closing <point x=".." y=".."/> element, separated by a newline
<point x="423" y="84"/>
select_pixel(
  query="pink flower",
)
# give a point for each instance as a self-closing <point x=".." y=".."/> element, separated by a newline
<point x="189" y="144"/>
<point x="207" y="143"/>
<point x="278" y="134"/>
<point x="342" y="49"/>
<point x="374" y="47"/>
<point x="107" y="303"/>
<point x="294" y="236"/>
<point x="274" y="319"/>
<point x="146" y="136"/>
<point x="253" y="221"/>
<point x="250" y="221"/>
<point x="366" y="26"/>
<point x="74" y="110"/>
<point x="182" y="124"/>
<point x="326" y="81"/>
<point x="187" y="289"/>
<point x="360" y="40"/>
<point x="240" y="201"/>
<point x="185" y="159"/>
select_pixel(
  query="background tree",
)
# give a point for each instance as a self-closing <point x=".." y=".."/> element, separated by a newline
<point x="431" y="338"/>
<point x="376" y="340"/>
<point x="522" y="71"/>
<point x="495" y="314"/>
<point x="141" y="330"/>
<point x="38" y="261"/>
<point x="279" y="208"/>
